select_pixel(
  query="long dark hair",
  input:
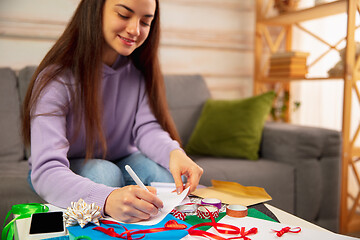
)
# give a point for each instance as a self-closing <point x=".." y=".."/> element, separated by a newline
<point x="80" y="49"/>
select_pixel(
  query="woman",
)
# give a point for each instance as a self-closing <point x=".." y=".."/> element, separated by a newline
<point x="99" y="94"/>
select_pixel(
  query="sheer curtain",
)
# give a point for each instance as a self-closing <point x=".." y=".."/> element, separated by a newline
<point x="321" y="101"/>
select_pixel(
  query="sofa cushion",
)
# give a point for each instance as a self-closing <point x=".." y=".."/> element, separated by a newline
<point x="11" y="147"/>
<point x="186" y="95"/>
<point x="273" y="176"/>
<point x="309" y="186"/>
<point x="231" y="128"/>
<point x="16" y="190"/>
<point x="25" y="76"/>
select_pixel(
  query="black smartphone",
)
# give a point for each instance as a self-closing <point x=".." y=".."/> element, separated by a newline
<point x="49" y="224"/>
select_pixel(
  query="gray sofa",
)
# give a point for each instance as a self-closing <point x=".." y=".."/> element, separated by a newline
<point x="298" y="166"/>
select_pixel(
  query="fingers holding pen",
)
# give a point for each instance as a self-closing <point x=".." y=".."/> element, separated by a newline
<point x="150" y="197"/>
<point x="132" y="204"/>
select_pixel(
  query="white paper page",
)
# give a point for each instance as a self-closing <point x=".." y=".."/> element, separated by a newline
<point x="265" y="230"/>
<point x="162" y="187"/>
<point x="170" y="201"/>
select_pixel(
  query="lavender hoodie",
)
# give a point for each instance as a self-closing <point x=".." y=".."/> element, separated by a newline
<point x="128" y="123"/>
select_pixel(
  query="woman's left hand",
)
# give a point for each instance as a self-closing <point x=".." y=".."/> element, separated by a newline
<point x="181" y="164"/>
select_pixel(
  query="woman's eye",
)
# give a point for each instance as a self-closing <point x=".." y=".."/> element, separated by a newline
<point x="145" y="23"/>
<point x="123" y="16"/>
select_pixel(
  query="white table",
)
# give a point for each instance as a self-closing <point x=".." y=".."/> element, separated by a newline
<point x="290" y="219"/>
<point x="23" y="225"/>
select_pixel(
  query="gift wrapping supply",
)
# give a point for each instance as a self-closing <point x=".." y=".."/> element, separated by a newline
<point x="179" y="215"/>
<point x="211" y="201"/>
<point x="237" y="211"/>
<point x="202" y="211"/>
<point x="181" y="211"/>
<point x="187" y="208"/>
<point x="206" y="211"/>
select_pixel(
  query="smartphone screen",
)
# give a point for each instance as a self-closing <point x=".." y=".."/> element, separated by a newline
<point x="49" y="222"/>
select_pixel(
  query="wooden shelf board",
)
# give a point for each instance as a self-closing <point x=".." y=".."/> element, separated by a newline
<point x="319" y="11"/>
<point x="354" y="224"/>
<point x="279" y="79"/>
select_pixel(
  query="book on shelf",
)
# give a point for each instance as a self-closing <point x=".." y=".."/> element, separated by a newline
<point x="289" y="54"/>
<point x="290" y="72"/>
<point x="288" y="67"/>
<point x="283" y="71"/>
<point x="288" y="64"/>
<point x="287" y="61"/>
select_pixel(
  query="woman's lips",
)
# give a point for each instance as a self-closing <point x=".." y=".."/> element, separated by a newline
<point x="127" y="41"/>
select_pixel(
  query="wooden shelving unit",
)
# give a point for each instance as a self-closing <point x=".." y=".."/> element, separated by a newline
<point x="265" y="45"/>
<point x="319" y="11"/>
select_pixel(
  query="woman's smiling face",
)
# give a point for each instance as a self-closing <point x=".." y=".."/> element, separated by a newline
<point x="126" y="25"/>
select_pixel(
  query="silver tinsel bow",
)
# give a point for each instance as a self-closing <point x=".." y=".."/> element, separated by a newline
<point x="82" y="213"/>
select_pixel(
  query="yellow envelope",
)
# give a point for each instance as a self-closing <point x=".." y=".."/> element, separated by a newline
<point x="233" y="193"/>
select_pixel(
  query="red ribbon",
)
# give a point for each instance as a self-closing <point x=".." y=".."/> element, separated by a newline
<point x="250" y="232"/>
<point x="128" y="234"/>
<point x="242" y="232"/>
<point x="108" y="231"/>
<point x="173" y="225"/>
<point x="286" y="230"/>
<point x="229" y="229"/>
<point x="169" y="225"/>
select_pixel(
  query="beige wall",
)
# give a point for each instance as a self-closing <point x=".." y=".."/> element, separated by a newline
<point x="29" y="28"/>
<point x="213" y="38"/>
<point x="208" y="37"/>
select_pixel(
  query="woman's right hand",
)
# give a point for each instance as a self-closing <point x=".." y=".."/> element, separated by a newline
<point x="132" y="204"/>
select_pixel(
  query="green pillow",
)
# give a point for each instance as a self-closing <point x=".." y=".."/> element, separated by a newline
<point x="231" y="128"/>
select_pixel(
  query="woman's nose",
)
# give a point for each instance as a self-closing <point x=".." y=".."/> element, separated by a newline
<point x="133" y="28"/>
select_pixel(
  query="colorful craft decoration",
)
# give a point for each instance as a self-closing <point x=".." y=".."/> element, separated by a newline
<point x="82" y="213"/>
<point x="128" y="234"/>
<point x="201" y="211"/>
<point x="21" y="211"/>
<point x="181" y="211"/>
<point x="171" y="225"/>
<point x="237" y="211"/>
<point x="223" y="229"/>
<point x="207" y="212"/>
<point x="212" y="201"/>
<point x="178" y="214"/>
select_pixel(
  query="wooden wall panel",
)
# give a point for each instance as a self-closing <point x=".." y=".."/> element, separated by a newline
<point x="208" y="16"/>
<point x="17" y="53"/>
<point x="212" y="38"/>
<point x="229" y="87"/>
<point x="38" y="10"/>
<point x="208" y="37"/>
<point x="206" y="61"/>
<point x="29" y="28"/>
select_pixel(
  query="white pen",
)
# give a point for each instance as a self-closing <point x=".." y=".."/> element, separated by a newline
<point x="135" y="177"/>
